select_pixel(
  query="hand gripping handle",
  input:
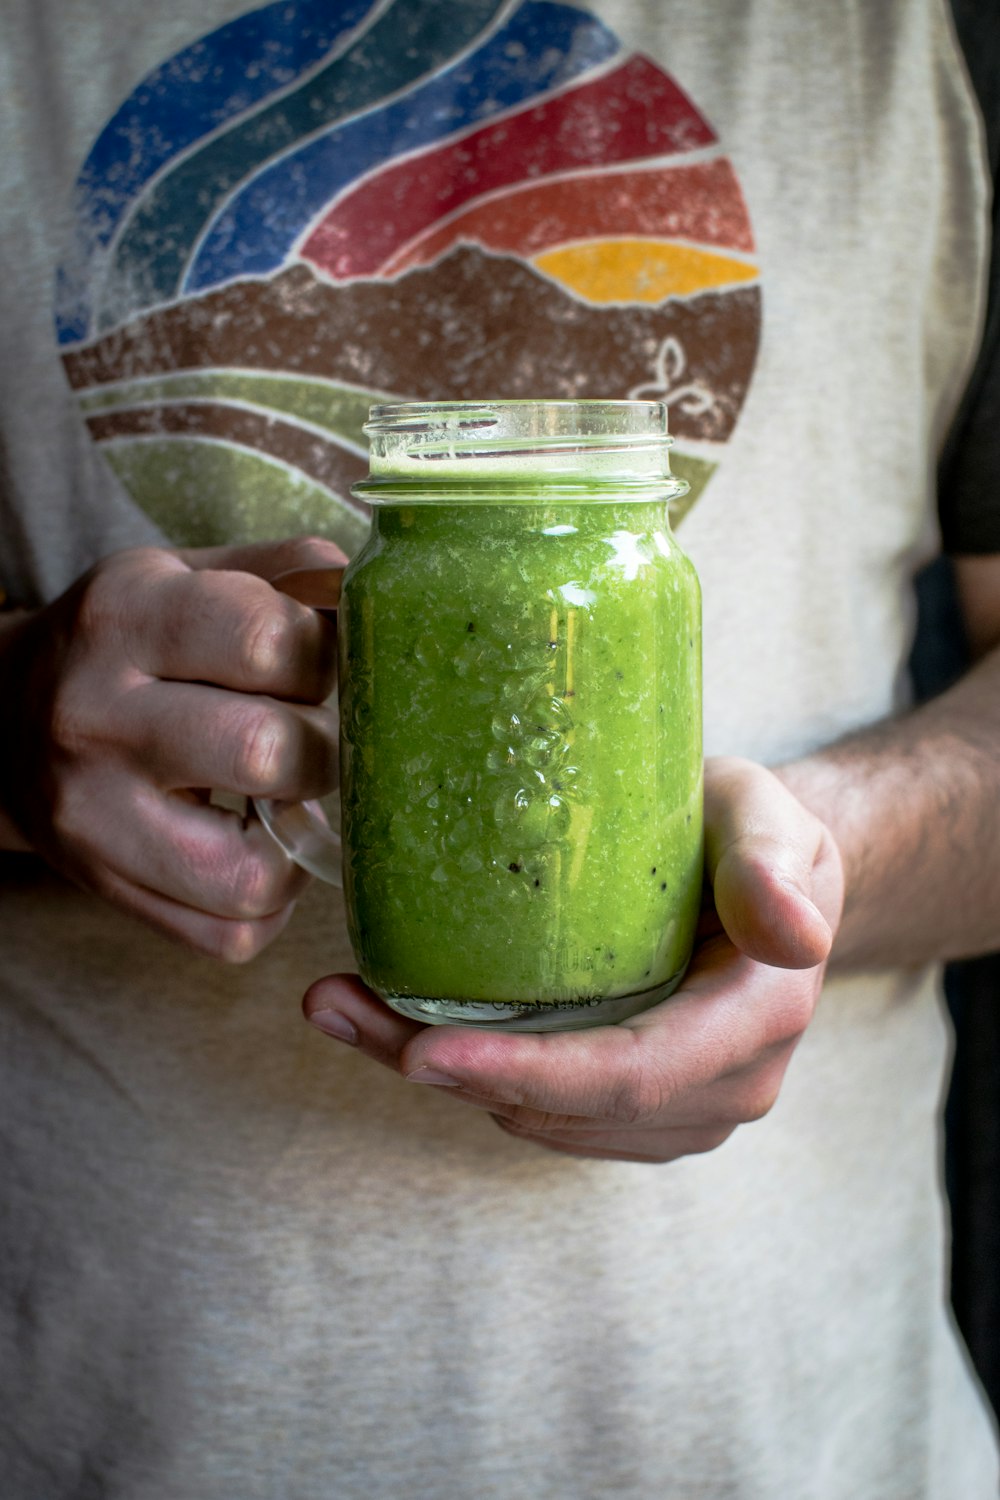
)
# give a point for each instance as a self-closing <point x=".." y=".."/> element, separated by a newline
<point x="302" y="828"/>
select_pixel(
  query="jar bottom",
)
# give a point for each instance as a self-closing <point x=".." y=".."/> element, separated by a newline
<point x="518" y="1015"/>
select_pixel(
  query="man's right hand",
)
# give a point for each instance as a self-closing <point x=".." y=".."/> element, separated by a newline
<point x="158" y="677"/>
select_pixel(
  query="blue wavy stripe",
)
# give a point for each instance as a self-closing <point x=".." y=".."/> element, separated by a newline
<point x="224" y="75"/>
<point x="196" y="92"/>
<point x="543" y="46"/>
<point x="408" y="40"/>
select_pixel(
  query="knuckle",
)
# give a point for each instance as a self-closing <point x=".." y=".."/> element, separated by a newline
<point x="750" y="1096"/>
<point x="110" y="592"/>
<point x="640" y="1093"/>
<point x="99" y="610"/>
<point x="70" y="724"/>
<point x="711" y="1139"/>
<point x="792" y="1014"/>
<point x="234" y="942"/>
<point x="265" y="640"/>
<point x="758" y="1103"/>
<point x="251" y="887"/>
<point x="652" y="1082"/>
<point x="71" y="810"/>
<point x="262" y="744"/>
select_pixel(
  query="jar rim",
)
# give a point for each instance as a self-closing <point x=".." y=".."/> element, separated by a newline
<point x="540" y="419"/>
<point x="468" y="449"/>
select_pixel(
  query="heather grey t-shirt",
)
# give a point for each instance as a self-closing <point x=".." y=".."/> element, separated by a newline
<point x="236" y="1260"/>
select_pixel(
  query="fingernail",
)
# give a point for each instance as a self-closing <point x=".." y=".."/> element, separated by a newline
<point x="807" y="901"/>
<point x="332" y="1023"/>
<point x="796" y="889"/>
<point x="431" y="1075"/>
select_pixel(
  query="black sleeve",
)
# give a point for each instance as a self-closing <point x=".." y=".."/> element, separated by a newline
<point x="969" y="473"/>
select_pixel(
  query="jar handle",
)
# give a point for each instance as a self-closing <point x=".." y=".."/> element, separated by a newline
<point x="302" y="828"/>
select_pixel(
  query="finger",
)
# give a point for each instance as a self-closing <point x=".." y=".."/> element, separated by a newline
<point x="234" y="630"/>
<point x="738" y="1098"/>
<point x="191" y="852"/>
<point x="341" y="1006"/>
<point x="774" y="867"/>
<point x="268" y="559"/>
<point x="232" y="940"/>
<point x="182" y="735"/>
<point x="385" y="1036"/>
<point x="730" y="1028"/>
<point x="729" y="1014"/>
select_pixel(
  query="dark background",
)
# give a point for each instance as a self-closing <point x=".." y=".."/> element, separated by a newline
<point x="972" y="1111"/>
<point x="970" y="520"/>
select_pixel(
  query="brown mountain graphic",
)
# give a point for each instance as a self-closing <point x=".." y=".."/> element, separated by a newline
<point x="469" y="326"/>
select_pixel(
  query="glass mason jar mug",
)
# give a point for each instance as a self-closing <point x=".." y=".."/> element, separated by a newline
<point x="520" y="702"/>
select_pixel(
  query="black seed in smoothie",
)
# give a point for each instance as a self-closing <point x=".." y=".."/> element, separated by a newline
<point x="515" y="867"/>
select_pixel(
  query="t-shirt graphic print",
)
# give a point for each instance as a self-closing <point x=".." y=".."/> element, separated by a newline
<point x="321" y="205"/>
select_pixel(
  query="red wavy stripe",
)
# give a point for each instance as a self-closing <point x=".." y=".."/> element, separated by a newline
<point x="634" y="113"/>
<point x="701" y="203"/>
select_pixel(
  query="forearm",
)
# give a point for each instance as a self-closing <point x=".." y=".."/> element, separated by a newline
<point x="914" y="805"/>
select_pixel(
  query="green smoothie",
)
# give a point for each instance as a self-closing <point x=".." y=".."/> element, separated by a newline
<point x="522" y="757"/>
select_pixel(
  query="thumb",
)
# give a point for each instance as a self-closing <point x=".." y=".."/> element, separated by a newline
<point x="774" y="867"/>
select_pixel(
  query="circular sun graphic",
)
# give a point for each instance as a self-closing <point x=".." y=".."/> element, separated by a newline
<point x="328" y="203"/>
